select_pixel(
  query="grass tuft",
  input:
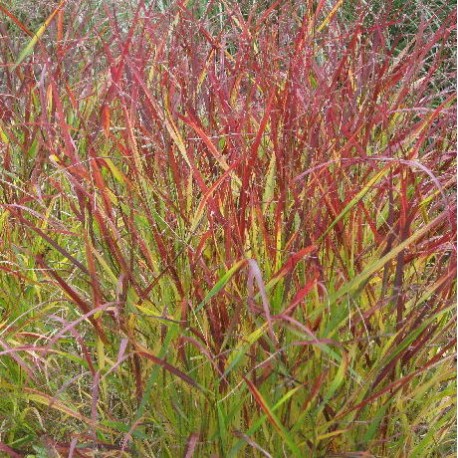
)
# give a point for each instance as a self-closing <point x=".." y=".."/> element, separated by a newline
<point x="227" y="229"/>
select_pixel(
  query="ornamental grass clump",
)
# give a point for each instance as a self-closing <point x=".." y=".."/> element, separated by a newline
<point x="228" y="229"/>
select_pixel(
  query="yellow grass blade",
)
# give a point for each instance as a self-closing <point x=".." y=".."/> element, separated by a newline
<point x="38" y="34"/>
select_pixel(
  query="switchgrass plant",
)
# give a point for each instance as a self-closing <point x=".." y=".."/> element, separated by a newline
<point x="227" y="229"/>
